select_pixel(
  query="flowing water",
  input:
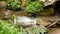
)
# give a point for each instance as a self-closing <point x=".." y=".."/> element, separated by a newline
<point x="3" y="13"/>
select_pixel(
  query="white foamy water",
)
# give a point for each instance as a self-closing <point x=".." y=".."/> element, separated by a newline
<point x="25" y="21"/>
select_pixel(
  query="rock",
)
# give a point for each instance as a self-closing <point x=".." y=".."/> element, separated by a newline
<point x="48" y="2"/>
<point x="47" y="12"/>
<point x="54" y="30"/>
<point x="44" y="21"/>
<point x="49" y="21"/>
<point x="27" y="21"/>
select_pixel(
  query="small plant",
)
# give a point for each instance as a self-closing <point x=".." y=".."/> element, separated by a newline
<point x="13" y="4"/>
<point x="6" y="28"/>
<point x="34" y="7"/>
<point x="36" y="30"/>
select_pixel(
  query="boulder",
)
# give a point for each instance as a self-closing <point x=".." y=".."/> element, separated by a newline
<point x="48" y="2"/>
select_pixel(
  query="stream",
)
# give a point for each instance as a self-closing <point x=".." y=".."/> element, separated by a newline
<point x="52" y="30"/>
<point x="6" y="14"/>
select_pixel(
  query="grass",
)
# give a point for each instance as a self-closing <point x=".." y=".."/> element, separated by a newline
<point x="6" y="28"/>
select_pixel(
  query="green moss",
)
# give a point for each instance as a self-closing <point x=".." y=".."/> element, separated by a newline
<point x="47" y="12"/>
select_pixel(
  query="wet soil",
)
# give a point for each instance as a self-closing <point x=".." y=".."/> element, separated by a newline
<point x="54" y="30"/>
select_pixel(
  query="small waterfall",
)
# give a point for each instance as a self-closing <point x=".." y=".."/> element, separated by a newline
<point x="25" y="21"/>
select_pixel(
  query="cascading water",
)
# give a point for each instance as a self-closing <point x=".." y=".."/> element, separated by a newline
<point x="25" y="21"/>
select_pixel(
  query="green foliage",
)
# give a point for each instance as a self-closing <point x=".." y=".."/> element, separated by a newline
<point x="13" y="4"/>
<point x="34" y="7"/>
<point x="35" y="30"/>
<point x="1" y="0"/>
<point x="6" y="28"/>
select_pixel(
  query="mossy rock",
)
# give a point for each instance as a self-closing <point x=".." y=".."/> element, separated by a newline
<point x="47" y="12"/>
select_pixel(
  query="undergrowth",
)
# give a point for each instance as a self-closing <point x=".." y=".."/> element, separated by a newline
<point x="33" y="8"/>
<point x="13" y="4"/>
<point x="6" y="28"/>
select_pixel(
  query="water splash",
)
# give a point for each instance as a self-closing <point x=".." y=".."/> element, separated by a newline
<point x="25" y="21"/>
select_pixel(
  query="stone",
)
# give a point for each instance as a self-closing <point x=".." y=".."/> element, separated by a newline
<point x="44" y="21"/>
<point x="48" y="2"/>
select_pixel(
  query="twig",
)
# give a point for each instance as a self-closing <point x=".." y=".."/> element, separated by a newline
<point x="52" y="24"/>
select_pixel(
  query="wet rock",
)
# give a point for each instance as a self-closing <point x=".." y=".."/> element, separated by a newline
<point x="54" y="30"/>
<point x="48" y="21"/>
<point x="47" y="12"/>
<point x="27" y="21"/>
<point x="48" y="2"/>
<point x="44" y="21"/>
